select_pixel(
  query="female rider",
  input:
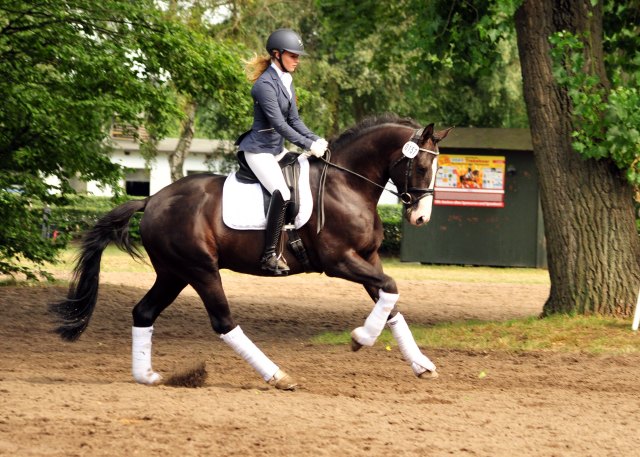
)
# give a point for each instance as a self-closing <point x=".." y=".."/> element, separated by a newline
<point x="275" y="117"/>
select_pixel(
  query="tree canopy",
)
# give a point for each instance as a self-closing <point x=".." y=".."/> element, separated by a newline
<point x="67" y="68"/>
<point x="366" y="58"/>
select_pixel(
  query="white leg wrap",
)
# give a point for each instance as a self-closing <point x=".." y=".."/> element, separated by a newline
<point x="374" y="324"/>
<point x="250" y="352"/>
<point x="141" y="356"/>
<point x="410" y="350"/>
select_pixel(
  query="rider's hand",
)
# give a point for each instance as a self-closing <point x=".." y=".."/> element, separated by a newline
<point x="318" y="147"/>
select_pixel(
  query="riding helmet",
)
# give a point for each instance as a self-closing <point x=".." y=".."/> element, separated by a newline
<point x="285" y="40"/>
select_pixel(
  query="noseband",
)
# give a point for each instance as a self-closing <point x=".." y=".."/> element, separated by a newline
<point x="406" y="197"/>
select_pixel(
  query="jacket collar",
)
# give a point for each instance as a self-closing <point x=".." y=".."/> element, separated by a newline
<point x="276" y="77"/>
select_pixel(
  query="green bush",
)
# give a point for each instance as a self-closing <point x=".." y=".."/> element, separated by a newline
<point x="391" y="216"/>
<point x="82" y="213"/>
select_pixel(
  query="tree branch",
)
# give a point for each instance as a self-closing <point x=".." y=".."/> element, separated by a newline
<point x="448" y="19"/>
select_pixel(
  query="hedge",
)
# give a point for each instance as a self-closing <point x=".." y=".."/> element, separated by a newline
<point x="84" y="211"/>
<point x="391" y="216"/>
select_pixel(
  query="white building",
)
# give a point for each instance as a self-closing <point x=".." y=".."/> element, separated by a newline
<point x="143" y="181"/>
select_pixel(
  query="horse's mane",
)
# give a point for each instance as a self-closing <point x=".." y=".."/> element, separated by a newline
<point x="353" y="133"/>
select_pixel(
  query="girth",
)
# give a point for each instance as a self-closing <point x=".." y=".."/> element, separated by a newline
<point x="290" y="170"/>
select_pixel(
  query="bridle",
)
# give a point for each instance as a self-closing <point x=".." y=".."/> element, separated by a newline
<point x="405" y="196"/>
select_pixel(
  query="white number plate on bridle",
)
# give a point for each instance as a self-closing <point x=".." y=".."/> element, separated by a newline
<point x="410" y="149"/>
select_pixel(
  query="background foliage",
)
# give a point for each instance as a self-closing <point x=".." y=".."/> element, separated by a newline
<point x="368" y="57"/>
<point x="391" y="216"/>
<point x="606" y="119"/>
<point x="69" y="67"/>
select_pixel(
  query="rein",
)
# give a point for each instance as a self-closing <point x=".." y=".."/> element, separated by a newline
<point x="405" y="196"/>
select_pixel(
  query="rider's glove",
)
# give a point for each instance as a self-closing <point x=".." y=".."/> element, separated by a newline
<point x="318" y="147"/>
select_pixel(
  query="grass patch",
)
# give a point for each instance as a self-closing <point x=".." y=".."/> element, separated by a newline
<point x="13" y="282"/>
<point x="113" y="259"/>
<point x="21" y="281"/>
<point x="411" y="270"/>
<point x="594" y="335"/>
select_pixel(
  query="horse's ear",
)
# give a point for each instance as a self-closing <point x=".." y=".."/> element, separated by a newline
<point x="426" y="134"/>
<point x="442" y="134"/>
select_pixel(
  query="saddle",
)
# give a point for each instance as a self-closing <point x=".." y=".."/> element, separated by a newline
<point x="290" y="170"/>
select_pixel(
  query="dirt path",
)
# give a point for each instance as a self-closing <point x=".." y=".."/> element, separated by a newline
<point x="80" y="399"/>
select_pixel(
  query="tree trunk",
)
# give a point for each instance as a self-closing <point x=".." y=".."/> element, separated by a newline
<point x="176" y="158"/>
<point x="592" y="241"/>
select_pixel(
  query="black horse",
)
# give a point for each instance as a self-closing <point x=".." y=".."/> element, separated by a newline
<point x="187" y="242"/>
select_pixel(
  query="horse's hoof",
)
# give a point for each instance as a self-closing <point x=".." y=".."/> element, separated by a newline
<point x="359" y="338"/>
<point x="429" y="375"/>
<point x="152" y="379"/>
<point x="283" y="381"/>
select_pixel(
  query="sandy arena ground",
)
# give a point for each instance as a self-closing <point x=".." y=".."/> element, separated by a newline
<point x="77" y="399"/>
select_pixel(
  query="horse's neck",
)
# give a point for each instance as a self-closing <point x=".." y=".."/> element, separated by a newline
<point x="370" y="155"/>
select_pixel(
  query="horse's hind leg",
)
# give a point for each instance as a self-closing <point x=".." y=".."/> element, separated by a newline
<point x="209" y="288"/>
<point x="165" y="290"/>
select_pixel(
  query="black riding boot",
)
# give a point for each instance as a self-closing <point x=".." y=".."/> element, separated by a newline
<point x="275" y="221"/>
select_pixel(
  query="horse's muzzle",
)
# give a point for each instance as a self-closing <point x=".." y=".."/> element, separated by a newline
<point x="419" y="213"/>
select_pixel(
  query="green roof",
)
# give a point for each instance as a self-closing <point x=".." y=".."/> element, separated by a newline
<point x="498" y="139"/>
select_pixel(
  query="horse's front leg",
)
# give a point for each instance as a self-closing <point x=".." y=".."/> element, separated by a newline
<point x="384" y="311"/>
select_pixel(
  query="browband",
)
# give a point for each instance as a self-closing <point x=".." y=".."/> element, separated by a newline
<point x="416" y="136"/>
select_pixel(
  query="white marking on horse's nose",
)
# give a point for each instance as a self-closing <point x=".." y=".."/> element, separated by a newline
<point x="422" y="214"/>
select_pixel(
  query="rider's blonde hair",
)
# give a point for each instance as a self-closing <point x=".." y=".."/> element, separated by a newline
<point x="256" y="66"/>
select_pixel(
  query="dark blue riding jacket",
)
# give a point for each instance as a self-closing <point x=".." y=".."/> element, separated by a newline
<point x="275" y="118"/>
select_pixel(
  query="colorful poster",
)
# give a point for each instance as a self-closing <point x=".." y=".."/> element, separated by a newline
<point x="470" y="181"/>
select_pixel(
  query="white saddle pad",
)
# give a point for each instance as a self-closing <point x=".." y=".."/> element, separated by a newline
<point x="243" y="205"/>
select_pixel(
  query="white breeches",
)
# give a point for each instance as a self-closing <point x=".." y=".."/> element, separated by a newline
<point x="266" y="168"/>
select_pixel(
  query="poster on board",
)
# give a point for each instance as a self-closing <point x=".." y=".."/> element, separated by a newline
<point x="470" y="181"/>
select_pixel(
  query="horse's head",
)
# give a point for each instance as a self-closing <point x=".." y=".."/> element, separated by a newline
<point x="415" y="177"/>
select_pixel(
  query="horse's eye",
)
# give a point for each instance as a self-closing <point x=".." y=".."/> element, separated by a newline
<point x="422" y="170"/>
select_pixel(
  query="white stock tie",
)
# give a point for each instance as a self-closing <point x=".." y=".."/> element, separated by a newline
<point x="286" y="81"/>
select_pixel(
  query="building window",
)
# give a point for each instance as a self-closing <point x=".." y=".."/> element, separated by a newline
<point x="137" y="183"/>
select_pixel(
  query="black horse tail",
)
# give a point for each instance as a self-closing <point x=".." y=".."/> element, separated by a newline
<point x="73" y="314"/>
